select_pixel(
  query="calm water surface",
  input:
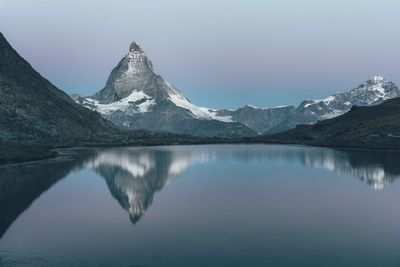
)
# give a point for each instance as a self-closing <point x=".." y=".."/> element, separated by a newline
<point x="222" y="205"/>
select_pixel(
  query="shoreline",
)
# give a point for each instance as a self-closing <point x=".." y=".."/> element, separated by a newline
<point x="21" y="153"/>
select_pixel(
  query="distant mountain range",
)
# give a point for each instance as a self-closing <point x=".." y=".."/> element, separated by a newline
<point x="362" y="127"/>
<point x="135" y="97"/>
<point x="274" y="120"/>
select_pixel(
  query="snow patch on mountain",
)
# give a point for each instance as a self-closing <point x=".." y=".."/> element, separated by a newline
<point x="198" y="112"/>
<point x="334" y="113"/>
<point x="124" y="104"/>
<point x="326" y="101"/>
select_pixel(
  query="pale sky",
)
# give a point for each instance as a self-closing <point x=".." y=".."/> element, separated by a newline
<point x="221" y="54"/>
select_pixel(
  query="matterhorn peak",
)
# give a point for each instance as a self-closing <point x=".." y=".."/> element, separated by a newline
<point x="134" y="47"/>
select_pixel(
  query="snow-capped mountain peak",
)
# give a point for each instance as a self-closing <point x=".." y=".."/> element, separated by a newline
<point x="374" y="91"/>
<point x="136" y="97"/>
<point x="134" y="75"/>
<point x="371" y="92"/>
<point x="135" y="67"/>
<point x="137" y="62"/>
<point x="378" y="78"/>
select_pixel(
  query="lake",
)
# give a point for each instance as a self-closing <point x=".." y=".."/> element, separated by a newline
<point x="210" y="205"/>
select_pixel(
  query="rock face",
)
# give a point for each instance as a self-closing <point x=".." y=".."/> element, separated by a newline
<point x="264" y="120"/>
<point x="33" y="109"/>
<point x="135" y="97"/>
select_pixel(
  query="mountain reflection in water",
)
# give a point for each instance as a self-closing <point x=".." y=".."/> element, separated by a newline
<point x="134" y="174"/>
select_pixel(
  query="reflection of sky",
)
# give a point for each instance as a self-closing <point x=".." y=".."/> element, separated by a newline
<point x="259" y="52"/>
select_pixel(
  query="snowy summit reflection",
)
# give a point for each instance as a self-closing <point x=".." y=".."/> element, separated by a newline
<point x="134" y="175"/>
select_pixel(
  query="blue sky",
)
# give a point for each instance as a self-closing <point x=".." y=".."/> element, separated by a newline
<point x="222" y="54"/>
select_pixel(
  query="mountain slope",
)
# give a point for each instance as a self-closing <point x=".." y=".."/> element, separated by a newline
<point x="31" y="108"/>
<point x="362" y="127"/>
<point x="136" y="98"/>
